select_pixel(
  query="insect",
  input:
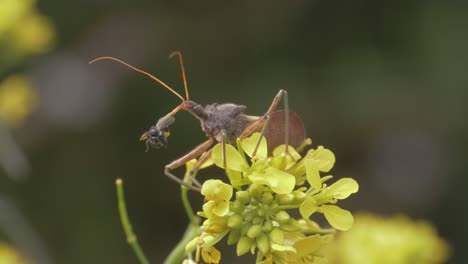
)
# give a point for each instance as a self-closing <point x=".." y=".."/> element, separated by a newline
<point x="222" y="123"/>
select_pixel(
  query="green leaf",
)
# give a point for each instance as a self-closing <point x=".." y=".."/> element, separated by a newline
<point x="234" y="160"/>
<point x="324" y="157"/>
<point x="312" y="173"/>
<point x="308" y="207"/>
<point x="343" y="188"/>
<point x="279" y="181"/>
<point x="249" y="144"/>
<point x="338" y="218"/>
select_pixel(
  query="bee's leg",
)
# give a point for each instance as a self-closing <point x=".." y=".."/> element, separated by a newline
<point x="197" y="151"/>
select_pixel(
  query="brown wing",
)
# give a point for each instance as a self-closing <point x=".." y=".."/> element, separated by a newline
<point x="277" y="127"/>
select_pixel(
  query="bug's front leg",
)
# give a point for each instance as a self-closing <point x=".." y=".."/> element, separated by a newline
<point x="197" y="151"/>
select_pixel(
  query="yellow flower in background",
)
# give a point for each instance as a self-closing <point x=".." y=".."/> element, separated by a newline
<point x="9" y="255"/>
<point x="17" y="100"/>
<point x="33" y="34"/>
<point x="378" y="240"/>
<point x="23" y="28"/>
<point x="12" y="11"/>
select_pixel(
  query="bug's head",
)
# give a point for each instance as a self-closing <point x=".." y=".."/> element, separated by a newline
<point x="156" y="136"/>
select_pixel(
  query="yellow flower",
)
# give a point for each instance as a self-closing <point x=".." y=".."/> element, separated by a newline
<point x="398" y="239"/>
<point x="33" y="34"/>
<point x="17" y="99"/>
<point x="9" y="255"/>
<point x="11" y="12"/>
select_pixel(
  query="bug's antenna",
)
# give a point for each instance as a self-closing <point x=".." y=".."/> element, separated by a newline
<point x="140" y="71"/>
<point x="181" y="61"/>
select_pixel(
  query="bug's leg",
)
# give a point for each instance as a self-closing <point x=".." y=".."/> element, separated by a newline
<point x="223" y="133"/>
<point x="197" y="151"/>
<point x="193" y="172"/>
<point x="282" y="94"/>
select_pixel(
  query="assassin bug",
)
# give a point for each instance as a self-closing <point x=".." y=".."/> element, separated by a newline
<point x="221" y="122"/>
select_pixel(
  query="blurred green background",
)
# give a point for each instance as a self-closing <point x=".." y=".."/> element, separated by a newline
<point x="381" y="83"/>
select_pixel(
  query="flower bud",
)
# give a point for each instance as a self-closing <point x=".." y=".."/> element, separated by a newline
<point x="254" y="231"/>
<point x="267" y="226"/>
<point x="243" y="197"/>
<point x="235" y="221"/>
<point x="237" y="207"/>
<point x="263" y="244"/>
<point x="299" y="196"/>
<point x="279" y="162"/>
<point x="249" y="216"/>
<point x="258" y="220"/>
<point x="243" y="246"/>
<point x="282" y="217"/>
<point x="284" y="198"/>
<point x="267" y="198"/>
<point x="277" y="236"/>
<point x="233" y="237"/>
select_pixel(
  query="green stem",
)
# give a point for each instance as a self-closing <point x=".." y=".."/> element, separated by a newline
<point x="187" y="206"/>
<point x="178" y="253"/>
<point x="126" y="225"/>
<point x="193" y="229"/>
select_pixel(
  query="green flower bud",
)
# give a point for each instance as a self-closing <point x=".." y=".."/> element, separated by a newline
<point x="299" y="196"/>
<point x="279" y="162"/>
<point x="243" y="197"/>
<point x="243" y="246"/>
<point x="237" y="207"/>
<point x="249" y="216"/>
<point x="258" y="220"/>
<point x="245" y="228"/>
<point x="261" y="212"/>
<point x="277" y="236"/>
<point x="235" y="221"/>
<point x="267" y="226"/>
<point x="285" y="198"/>
<point x="263" y="244"/>
<point x="256" y="190"/>
<point x="233" y="237"/>
<point x="254" y="231"/>
<point x="282" y="217"/>
<point x="267" y="198"/>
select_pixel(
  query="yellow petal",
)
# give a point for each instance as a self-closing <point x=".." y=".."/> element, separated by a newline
<point x="234" y="160"/>
<point x="308" y="245"/>
<point x="308" y="207"/>
<point x="343" y="188"/>
<point x="338" y="218"/>
<point x="279" y="181"/>
<point x="324" y="157"/>
<point x="249" y="144"/>
<point x="312" y="173"/>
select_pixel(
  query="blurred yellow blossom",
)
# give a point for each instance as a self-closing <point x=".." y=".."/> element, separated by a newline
<point x="33" y="34"/>
<point x="23" y="28"/>
<point x="17" y="99"/>
<point x="398" y="239"/>
<point x="9" y="255"/>
<point x="12" y="11"/>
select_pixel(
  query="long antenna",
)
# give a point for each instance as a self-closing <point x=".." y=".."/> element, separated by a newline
<point x="140" y="71"/>
<point x="181" y="61"/>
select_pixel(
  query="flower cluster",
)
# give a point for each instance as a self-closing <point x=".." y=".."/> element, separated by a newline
<point x="398" y="239"/>
<point x="267" y="206"/>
